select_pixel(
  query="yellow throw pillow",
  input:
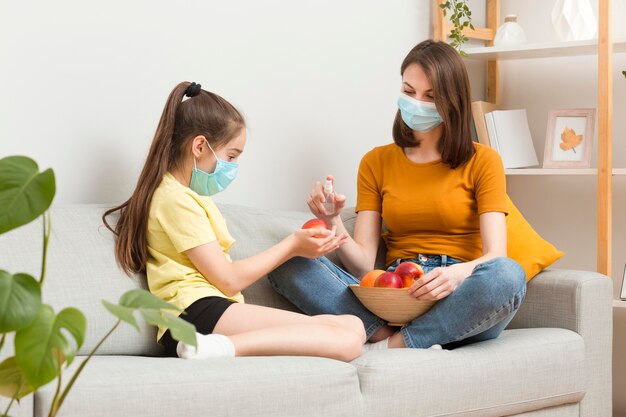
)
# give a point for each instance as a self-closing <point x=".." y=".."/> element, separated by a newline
<point x="525" y="246"/>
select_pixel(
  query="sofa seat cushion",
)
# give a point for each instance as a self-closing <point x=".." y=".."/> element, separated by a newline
<point x="522" y="370"/>
<point x="246" y="386"/>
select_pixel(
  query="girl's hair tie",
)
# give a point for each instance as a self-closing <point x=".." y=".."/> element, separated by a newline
<point x="193" y="90"/>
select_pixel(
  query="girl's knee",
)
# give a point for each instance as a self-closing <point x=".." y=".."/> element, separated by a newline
<point x="356" y="325"/>
<point x="349" y="346"/>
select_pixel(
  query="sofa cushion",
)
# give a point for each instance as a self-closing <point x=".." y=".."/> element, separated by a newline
<point x="524" y="244"/>
<point x="514" y="373"/>
<point x="243" y="387"/>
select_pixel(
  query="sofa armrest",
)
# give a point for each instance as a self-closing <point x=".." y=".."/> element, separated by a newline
<point x="580" y="301"/>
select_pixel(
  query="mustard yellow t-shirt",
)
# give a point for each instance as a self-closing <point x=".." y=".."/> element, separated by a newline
<point x="180" y="219"/>
<point x="429" y="207"/>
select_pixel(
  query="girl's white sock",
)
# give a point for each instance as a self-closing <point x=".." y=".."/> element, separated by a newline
<point x="209" y="346"/>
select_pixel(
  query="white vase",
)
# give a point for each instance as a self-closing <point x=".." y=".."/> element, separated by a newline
<point x="574" y="20"/>
<point x="510" y="33"/>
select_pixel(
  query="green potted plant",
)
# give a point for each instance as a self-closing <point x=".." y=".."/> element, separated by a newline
<point x="460" y="17"/>
<point x="41" y="347"/>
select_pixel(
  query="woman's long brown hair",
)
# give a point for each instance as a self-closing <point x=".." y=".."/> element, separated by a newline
<point x="205" y="114"/>
<point x="447" y="75"/>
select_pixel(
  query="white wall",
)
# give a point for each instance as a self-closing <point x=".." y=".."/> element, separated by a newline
<point x="83" y="86"/>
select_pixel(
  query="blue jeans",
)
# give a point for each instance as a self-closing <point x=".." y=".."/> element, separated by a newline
<point x="479" y="309"/>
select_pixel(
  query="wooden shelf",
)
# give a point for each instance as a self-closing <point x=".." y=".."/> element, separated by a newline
<point x="619" y="304"/>
<point x="560" y="171"/>
<point x="541" y="50"/>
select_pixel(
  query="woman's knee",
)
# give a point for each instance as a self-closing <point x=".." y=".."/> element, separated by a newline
<point x="506" y="273"/>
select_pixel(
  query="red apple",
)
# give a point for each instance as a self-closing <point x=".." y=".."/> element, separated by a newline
<point x="388" y="280"/>
<point x="315" y="224"/>
<point x="409" y="272"/>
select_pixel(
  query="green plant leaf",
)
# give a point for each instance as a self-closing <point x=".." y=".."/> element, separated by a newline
<point x="155" y="311"/>
<point x="36" y="344"/>
<point x="11" y="378"/>
<point x="624" y="73"/>
<point x="126" y="314"/>
<point x="20" y="300"/>
<point x="180" y="329"/>
<point x="139" y="298"/>
<point x="25" y="193"/>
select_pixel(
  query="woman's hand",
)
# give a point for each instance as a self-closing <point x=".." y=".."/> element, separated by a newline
<point x="440" y="282"/>
<point x="313" y="243"/>
<point x="315" y="201"/>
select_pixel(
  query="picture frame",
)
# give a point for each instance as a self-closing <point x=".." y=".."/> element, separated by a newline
<point x="622" y="295"/>
<point x="569" y="138"/>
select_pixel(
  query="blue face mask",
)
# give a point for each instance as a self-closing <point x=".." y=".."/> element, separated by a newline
<point x="207" y="184"/>
<point x="421" y="116"/>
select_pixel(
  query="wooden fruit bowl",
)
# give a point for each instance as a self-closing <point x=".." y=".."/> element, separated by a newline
<point x="394" y="305"/>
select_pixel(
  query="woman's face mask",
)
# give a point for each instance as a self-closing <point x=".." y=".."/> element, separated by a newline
<point x="421" y="116"/>
<point x="207" y="184"/>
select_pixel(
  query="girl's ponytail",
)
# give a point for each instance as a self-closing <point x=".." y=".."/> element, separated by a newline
<point x="179" y="121"/>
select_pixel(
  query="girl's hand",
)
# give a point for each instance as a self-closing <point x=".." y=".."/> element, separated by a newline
<point x="439" y="283"/>
<point x="315" y="201"/>
<point x="313" y="243"/>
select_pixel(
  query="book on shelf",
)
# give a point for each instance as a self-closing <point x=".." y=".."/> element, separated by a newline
<point x="510" y="136"/>
<point x="479" y="109"/>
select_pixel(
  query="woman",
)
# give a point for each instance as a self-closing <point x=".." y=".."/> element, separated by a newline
<point x="442" y="199"/>
<point x="171" y="229"/>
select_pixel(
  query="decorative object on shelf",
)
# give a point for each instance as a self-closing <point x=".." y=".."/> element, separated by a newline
<point x="569" y="138"/>
<point x="622" y="295"/>
<point x="510" y="33"/>
<point x="479" y="109"/>
<point x="510" y="136"/>
<point x="461" y="18"/>
<point x="574" y="20"/>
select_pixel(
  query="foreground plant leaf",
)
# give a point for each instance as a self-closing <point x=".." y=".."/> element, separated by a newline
<point x="20" y="300"/>
<point x="25" y="193"/>
<point x="11" y="379"/>
<point x="36" y="344"/>
<point x="155" y="311"/>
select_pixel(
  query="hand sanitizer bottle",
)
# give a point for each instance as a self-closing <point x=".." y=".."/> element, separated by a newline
<point x="329" y="196"/>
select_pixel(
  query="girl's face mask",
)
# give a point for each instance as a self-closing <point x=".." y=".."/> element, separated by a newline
<point x="421" y="116"/>
<point x="207" y="184"/>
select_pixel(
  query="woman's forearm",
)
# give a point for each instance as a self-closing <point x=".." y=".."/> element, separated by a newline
<point x="353" y="256"/>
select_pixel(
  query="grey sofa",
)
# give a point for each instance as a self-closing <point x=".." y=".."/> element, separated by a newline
<point x="553" y="360"/>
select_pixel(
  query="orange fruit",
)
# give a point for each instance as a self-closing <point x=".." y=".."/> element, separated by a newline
<point x="369" y="278"/>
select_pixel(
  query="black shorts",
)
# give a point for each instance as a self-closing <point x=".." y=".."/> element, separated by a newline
<point x="204" y="314"/>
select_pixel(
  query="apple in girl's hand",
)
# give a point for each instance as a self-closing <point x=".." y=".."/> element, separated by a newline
<point x="315" y="224"/>
<point x="369" y="279"/>
<point x="409" y="272"/>
<point x="388" y="280"/>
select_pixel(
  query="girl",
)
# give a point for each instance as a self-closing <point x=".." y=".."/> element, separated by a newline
<point x="171" y="229"/>
<point x="442" y="199"/>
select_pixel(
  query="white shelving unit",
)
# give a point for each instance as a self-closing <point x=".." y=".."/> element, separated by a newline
<point x="541" y="50"/>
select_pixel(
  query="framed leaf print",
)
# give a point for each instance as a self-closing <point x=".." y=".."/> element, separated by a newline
<point x="569" y="138"/>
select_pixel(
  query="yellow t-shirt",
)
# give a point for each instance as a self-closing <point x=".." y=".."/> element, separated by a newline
<point x="180" y="219"/>
<point x="428" y="207"/>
